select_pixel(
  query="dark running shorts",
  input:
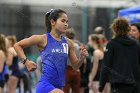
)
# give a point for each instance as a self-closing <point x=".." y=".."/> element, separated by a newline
<point x="1" y="83"/>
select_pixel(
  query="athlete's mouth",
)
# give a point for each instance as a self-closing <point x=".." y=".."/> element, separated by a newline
<point x="65" y="28"/>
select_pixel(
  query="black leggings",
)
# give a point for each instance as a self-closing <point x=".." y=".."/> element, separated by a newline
<point x="125" y="88"/>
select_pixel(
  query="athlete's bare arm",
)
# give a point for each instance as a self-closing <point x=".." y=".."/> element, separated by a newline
<point x="33" y="40"/>
<point x="2" y="60"/>
<point x="76" y="62"/>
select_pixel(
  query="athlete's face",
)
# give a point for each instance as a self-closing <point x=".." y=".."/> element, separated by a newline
<point x="61" y="24"/>
<point x="135" y="32"/>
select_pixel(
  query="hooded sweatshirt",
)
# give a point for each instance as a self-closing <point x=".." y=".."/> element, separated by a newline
<point x="121" y="63"/>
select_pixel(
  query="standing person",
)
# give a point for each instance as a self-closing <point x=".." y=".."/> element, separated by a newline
<point x="12" y="61"/>
<point x="101" y="31"/>
<point x="135" y="31"/>
<point x="54" y="51"/>
<point x="86" y="68"/>
<point x="3" y="56"/>
<point x="72" y="76"/>
<point x="121" y="63"/>
<point x="97" y="42"/>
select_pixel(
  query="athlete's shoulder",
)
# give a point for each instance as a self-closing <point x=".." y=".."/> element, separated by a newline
<point x="70" y="42"/>
<point x="33" y="39"/>
<point x="43" y="36"/>
<point x="36" y="37"/>
<point x="1" y="52"/>
<point x="2" y="55"/>
<point x="12" y="51"/>
<point x="97" y="52"/>
<point x="39" y="38"/>
<point x="43" y="41"/>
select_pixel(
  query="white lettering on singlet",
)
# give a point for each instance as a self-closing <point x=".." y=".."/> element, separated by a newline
<point x="64" y="50"/>
<point x="53" y="50"/>
<point x="65" y="46"/>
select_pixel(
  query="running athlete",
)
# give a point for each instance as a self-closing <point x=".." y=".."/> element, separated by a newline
<point x="12" y="61"/>
<point x="54" y="51"/>
<point x="3" y="55"/>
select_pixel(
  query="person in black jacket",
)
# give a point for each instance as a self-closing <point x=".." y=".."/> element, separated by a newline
<point x="121" y="63"/>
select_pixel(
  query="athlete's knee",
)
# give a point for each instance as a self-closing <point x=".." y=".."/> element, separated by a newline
<point x="56" y="91"/>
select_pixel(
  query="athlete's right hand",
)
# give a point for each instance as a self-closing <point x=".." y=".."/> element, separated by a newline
<point x="31" y="66"/>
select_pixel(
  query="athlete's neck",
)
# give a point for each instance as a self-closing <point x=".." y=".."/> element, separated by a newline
<point x="55" y="35"/>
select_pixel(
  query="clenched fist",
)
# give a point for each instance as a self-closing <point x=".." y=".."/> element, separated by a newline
<point x="83" y="52"/>
<point x="31" y="66"/>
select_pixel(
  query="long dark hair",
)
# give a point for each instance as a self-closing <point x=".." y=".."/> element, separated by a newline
<point x="52" y="14"/>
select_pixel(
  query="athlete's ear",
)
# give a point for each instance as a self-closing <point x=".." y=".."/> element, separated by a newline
<point x="52" y="22"/>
